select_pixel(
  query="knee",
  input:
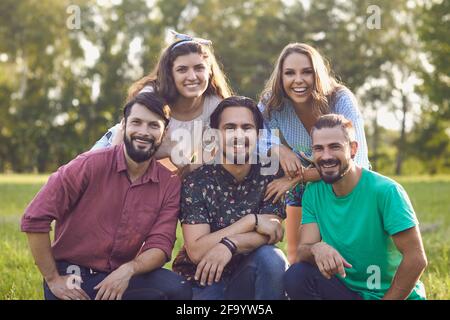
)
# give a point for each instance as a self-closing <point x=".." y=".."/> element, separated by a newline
<point x="270" y="258"/>
<point x="174" y="286"/>
<point x="297" y="275"/>
<point x="183" y="291"/>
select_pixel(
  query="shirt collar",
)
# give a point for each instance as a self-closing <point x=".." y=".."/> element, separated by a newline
<point x="150" y="174"/>
<point x="231" y="179"/>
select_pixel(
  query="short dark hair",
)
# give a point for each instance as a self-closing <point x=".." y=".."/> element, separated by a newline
<point x="335" y="120"/>
<point x="237" y="101"/>
<point x="153" y="102"/>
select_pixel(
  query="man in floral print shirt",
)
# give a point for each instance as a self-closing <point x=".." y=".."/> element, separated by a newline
<point x="229" y="230"/>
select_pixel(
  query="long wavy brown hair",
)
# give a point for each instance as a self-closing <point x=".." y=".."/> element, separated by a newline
<point x="325" y="84"/>
<point x="161" y="78"/>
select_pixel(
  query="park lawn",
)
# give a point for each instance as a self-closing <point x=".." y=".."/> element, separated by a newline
<point x="20" y="279"/>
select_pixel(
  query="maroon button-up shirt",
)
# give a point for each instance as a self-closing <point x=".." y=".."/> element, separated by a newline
<point x="102" y="219"/>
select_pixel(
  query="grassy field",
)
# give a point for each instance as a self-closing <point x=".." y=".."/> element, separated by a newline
<point x="20" y="279"/>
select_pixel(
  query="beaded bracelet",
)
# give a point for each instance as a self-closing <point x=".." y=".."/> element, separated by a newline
<point x="229" y="244"/>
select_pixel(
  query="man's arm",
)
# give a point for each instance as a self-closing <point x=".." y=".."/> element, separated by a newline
<point x="58" y="196"/>
<point x="309" y="236"/>
<point x="213" y="262"/>
<point x="62" y="190"/>
<point x="211" y="266"/>
<point x="156" y="250"/>
<point x="325" y="257"/>
<point x="248" y="242"/>
<point x="198" y="238"/>
<point x="41" y="250"/>
<point x="63" y="287"/>
<point x="414" y="262"/>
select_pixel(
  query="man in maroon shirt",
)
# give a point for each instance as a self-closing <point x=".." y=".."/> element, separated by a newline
<point x="116" y="212"/>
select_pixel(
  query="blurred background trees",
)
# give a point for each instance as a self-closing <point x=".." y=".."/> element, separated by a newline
<point x="62" y="86"/>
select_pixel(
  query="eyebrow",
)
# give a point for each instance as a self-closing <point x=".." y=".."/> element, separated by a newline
<point x="289" y="69"/>
<point x="140" y="119"/>
<point x="329" y="144"/>
<point x="202" y="64"/>
<point x="242" y="125"/>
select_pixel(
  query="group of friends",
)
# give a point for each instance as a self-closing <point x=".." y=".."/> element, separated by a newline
<point x="351" y="233"/>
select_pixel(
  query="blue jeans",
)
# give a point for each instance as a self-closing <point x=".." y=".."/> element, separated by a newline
<point x="304" y="281"/>
<point x="159" y="284"/>
<point x="258" y="277"/>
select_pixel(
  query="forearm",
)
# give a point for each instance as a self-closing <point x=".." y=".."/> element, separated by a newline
<point x="309" y="174"/>
<point x="408" y="273"/>
<point x="41" y="250"/>
<point x="147" y="261"/>
<point x="247" y="242"/>
<point x="198" y="248"/>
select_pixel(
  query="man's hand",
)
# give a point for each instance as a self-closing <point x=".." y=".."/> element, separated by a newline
<point x="212" y="264"/>
<point x="328" y="260"/>
<point x="114" y="285"/>
<point x="67" y="287"/>
<point x="279" y="187"/>
<point x="270" y="225"/>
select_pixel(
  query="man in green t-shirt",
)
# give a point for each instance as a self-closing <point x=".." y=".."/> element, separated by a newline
<point x="359" y="237"/>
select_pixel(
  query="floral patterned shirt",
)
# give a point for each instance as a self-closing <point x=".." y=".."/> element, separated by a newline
<point x="212" y="195"/>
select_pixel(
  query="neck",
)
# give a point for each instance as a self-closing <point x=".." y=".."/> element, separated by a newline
<point x="304" y="107"/>
<point x="187" y="108"/>
<point x="345" y="185"/>
<point x="238" y="171"/>
<point x="135" y="170"/>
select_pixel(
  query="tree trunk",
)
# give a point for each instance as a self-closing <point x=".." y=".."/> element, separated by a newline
<point x="402" y="140"/>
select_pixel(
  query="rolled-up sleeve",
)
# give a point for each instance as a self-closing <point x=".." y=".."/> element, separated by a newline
<point x="163" y="232"/>
<point x="62" y="190"/>
<point x="106" y="140"/>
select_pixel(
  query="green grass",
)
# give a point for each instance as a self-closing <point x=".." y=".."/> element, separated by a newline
<point x="20" y="278"/>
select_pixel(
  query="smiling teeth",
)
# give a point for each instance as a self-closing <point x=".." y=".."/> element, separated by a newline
<point x="299" y="90"/>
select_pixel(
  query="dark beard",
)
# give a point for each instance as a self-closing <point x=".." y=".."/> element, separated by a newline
<point x="138" y="155"/>
<point x="336" y="177"/>
<point x="235" y="160"/>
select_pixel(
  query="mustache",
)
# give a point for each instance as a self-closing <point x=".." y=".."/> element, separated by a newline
<point x="234" y="142"/>
<point x="329" y="162"/>
<point x="150" y="140"/>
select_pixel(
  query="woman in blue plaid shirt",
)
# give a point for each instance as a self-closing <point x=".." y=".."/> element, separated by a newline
<point x="300" y="90"/>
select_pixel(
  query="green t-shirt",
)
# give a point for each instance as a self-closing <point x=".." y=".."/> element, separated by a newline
<point x="360" y="225"/>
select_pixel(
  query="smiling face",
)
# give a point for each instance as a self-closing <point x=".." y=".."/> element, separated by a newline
<point x="298" y="78"/>
<point x="239" y="134"/>
<point x="143" y="133"/>
<point x="191" y="75"/>
<point x="333" y="153"/>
